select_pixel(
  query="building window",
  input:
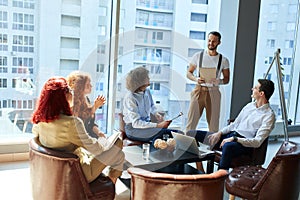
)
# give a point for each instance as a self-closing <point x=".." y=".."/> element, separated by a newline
<point x="99" y="86"/>
<point x="270" y="43"/>
<point x="118" y="104"/>
<point x="23" y="21"/>
<point x="22" y="43"/>
<point x="271" y="26"/>
<point x="287" y="61"/>
<point x="3" y="83"/>
<point x="289" y="44"/>
<point x="157" y="35"/>
<point x="200" y="1"/>
<point x="3" y="64"/>
<point x="4" y="2"/>
<point x="198" y="17"/>
<point x="3" y="42"/>
<point x="269" y="76"/>
<point x="120" y="68"/>
<point x="155" y="69"/>
<point x="3" y="19"/>
<point x="3" y="61"/>
<point x="268" y="60"/>
<point x="71" y="21"/>
<point x="154" y="86"/>
<point x="101" y="49"/>
<point x="100" y="68"/>
<point x="290" y="26"/>
<point x="23" y="4"/>
<point x="197" y="35"/>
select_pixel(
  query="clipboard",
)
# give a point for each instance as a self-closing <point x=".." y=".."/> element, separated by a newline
<point x="208" y="73"/>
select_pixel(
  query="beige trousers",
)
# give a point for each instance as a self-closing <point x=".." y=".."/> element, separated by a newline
<point x="114" y="158"/>
<point x="208" y="98"/>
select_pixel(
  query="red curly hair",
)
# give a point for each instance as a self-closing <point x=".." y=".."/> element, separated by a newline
<point x="52" y="101"/>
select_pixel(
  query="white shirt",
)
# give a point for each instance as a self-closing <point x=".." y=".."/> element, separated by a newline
<point x="255" y="124"/>
<point x="209" y="62"/>
<point x="137" y="108"/>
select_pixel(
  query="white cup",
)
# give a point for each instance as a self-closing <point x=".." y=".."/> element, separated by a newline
<point x="146" y="151"/>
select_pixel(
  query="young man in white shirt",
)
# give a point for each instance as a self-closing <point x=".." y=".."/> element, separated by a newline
<point x="249" y="130"/>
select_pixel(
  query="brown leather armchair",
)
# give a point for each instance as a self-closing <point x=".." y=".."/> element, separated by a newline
<point x="155" y="186"/>
<point x="280" y="180"/>
<point x="58" y="175"/>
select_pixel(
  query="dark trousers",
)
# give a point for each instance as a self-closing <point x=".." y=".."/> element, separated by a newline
<point x="148" y="134"/>
<point x="229" y="150"/>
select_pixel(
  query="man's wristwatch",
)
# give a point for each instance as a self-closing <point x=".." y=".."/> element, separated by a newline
<point x="235" y="138"/>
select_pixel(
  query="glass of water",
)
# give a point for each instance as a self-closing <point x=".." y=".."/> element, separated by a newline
<point x="146" y="151"/>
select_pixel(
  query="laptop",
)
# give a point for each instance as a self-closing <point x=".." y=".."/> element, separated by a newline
<point x="188" y="143"/>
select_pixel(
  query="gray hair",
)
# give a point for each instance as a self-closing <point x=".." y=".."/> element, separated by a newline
<point x="136" y="78"/>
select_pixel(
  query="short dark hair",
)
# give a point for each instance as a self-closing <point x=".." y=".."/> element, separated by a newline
<point x="267" y="86"/>
<point x="216" y="33"/>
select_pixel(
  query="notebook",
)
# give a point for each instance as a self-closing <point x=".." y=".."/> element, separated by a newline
<point x="186" y="143"/>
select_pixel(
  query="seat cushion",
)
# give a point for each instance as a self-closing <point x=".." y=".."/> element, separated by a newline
<point x="242" y="181"/>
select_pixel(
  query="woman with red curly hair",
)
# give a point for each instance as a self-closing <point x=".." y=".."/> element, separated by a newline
<point x="80" y="83"/>
<point x="57" y="128"/>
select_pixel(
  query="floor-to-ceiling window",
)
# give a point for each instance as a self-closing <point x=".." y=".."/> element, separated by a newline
<point x="40" y="39"/>
<point x="278" y="30"/>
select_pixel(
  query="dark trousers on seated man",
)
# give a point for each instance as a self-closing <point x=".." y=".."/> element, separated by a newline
<point x="230" y="150"/>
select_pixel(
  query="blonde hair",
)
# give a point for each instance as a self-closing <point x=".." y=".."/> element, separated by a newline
<point x="81" y="107"/>
<point x="136" y="78"/>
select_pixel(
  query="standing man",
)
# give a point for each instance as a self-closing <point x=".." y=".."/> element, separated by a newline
<point x="206" y="93"/>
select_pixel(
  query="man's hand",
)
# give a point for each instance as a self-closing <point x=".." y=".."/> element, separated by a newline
<point x="226" y="140"/>
<point x="164" y="124"/>
<point x="214" y="138"/>
<point x="201" y="80"/>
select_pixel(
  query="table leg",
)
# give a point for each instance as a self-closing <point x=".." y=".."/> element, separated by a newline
<point x="210" y="166"/>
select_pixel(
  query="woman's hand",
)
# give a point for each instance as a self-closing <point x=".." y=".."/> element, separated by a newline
<point x="99" y="101"/>
<point x="159" y="117"/>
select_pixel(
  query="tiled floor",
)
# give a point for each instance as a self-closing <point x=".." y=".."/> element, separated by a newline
<point x="15" y="179"/>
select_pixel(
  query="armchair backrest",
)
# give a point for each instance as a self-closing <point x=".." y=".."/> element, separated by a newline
<point x="282" y="177"/>
<point x="58" y="175"/>
<point x="155" y="186"/>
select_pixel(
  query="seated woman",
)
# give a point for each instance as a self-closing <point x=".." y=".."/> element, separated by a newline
<point x="57" y="128"/>
<point x="137" y="107"/>
<point x="80" y="83"/>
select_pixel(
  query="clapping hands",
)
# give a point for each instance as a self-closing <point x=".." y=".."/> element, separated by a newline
<point x="99" y="101"/>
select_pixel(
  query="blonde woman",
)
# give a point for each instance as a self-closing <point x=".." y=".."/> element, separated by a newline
<point x="80" y="83"/>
